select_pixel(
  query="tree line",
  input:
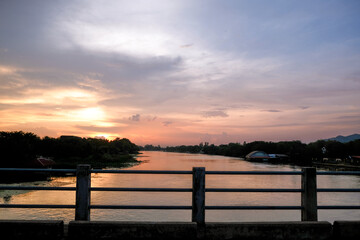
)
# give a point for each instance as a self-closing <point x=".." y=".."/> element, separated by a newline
<point x="19" y="148"/>
<point x="297" y="151"/>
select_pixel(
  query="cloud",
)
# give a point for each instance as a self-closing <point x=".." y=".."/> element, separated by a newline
<point x="135" y="118"/>
<point x="211" y="114"/>
<point x="99" y="129"/>
<point x="216" y="138"/>
<point x="126" y="33"/>
<point x="271" y="110"/>
<point x="85" y="67"/>
<point x="186" y="45"/>
<point x="167" y="123"/>
<point x="349" y="117"/>
<point x="151" y="118"/>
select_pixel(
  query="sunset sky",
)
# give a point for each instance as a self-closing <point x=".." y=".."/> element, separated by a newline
<point x="181" y="72"/>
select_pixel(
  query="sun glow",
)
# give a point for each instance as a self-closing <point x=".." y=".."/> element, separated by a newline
<point x="72" y="94"/>
<point x="103" y="136"/>
<point x="88" y="114"/>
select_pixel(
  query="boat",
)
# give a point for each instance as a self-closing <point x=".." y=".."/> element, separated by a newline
<point x="41" y="162"/>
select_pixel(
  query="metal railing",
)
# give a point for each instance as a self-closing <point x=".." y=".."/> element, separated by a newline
<point x="83" y="189"/>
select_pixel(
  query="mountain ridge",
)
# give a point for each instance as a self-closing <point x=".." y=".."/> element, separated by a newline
<point x="345" y="139"/>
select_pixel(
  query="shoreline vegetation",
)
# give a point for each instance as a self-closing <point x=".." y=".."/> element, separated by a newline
<point x="22" y="149"/>
<point x="323" y="153"/>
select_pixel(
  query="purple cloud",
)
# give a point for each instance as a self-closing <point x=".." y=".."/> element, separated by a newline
<point x="218" y="113"/>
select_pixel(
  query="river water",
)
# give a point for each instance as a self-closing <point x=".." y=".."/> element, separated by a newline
<point x="183" y="161"/>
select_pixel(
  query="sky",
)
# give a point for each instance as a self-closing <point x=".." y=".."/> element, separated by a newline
<point x="182" y="71"/>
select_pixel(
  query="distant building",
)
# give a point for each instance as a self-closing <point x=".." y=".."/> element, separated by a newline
<point x="262" y="156"/>
<point x="257" y="156"/>
<point x="355" y="160"/>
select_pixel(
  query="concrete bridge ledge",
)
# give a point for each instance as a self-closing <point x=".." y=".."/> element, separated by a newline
<point x="89" y="230"/>
<point x="132" y="230"/>
<point x="346" y="230"/>
<point x="31" y="229"/>
<point x="268" y="230"/>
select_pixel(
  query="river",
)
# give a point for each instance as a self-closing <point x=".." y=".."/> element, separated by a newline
<point x="184" y="161"/>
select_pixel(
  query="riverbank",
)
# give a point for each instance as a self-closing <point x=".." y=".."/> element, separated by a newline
<point x="118" y="161"/>
<point x="27" y="150"/>
<point x="299" y="153"/>
<point x="336" y="166"/>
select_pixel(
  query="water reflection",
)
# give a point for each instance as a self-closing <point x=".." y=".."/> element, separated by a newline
<point x="179" y="161"/>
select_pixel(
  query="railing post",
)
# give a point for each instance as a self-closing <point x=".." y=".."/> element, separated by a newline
<point x="83" y="182"/>
<point x="198" y="195"/>
<point x="308" y="195"/>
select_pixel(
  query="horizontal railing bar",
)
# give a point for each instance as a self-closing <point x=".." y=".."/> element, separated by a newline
<point x="177" y="189"/>
<point x="35" y="206"/>
<point x="156" y="207"/>
<point x="37" y="188"/>
<point x="275" y="207"/>
<point x="142" y="189"/>
<point x="174" y="207"/>
<point x="141" y="171"/>
<point x="339" y="173"/>
<point x="37" y="170"/>
<point x="253" y="207"/>
<point x="338" y="190"/>
<point x="180" y="172"/>
<point x="252" y="190"/>
<point x="338" y="207"/>
<point x="254" y="172"/>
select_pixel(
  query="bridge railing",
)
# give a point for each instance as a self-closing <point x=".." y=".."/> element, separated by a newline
<point x="82" y="206"/>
